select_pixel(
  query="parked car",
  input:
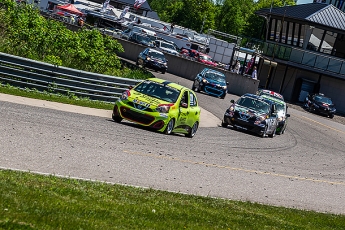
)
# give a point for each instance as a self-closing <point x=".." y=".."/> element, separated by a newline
<point x="141" y="39"/>
<point x="270" y="93"/>
<point x="188" y="53"/>
<point x="211" y="82"/>
<point x="282" y="114"/>
<point x="166" y="47"/>
<point x="206" y="59"/>
<point x="252" y="113"/>
<point x="126" y="33"/>
<point x="154" y="59"/>
<point x="161" y="105"/>
<point x="321" y="104"/>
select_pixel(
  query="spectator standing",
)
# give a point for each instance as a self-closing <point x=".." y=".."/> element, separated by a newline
<point x="237" y="67"/>
<point x="172" y="27"/>
<point x="72" y="20"/>
<point x="80" y="21"/>
<point x="255" y="73"/>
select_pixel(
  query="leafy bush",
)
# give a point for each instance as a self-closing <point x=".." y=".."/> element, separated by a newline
<point x="25" y="32"/>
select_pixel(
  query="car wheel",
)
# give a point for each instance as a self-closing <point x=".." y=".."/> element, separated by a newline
<point x="283" y="130"/>
<point x="193" y="130"/>
<point x="331" y="116"/>
<point x="223" y="96"/>
<point x="264" y="133"/>
<point x="116" y="117"/>
<point x="137" y="62"/>
<point x="224" y="125"/>
<point x="163" y="71"/>
<point x="195" y="88"/>
<point x="272" y="134"/>
<point x="170" y="126"/>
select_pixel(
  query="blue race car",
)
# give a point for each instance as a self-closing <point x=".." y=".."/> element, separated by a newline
<point x="211" y="82"/>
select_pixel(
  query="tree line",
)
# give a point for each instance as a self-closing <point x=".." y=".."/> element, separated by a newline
<point x="235" y="17"/>
<point x="26" y="33"/>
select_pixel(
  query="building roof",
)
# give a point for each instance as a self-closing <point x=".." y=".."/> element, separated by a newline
<point x="153" y="15"/>
<point x="144" y="6"/>
<point x="319" y="13"/>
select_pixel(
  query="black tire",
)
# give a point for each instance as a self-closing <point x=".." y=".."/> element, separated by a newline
<point x="331" y="116"/>
<point x="194" y="88"/>
<point x="272" y="134"/>
<point x="137" y="63"/>
<point x="115" y="116"/>
<point x="163" y="71"/>
<point x="264" y="134"/>
<point x="117" y="119"/>
<point x="193" y="130"/>
<point x="224" y="125"/>
<point x="170" y="126"/>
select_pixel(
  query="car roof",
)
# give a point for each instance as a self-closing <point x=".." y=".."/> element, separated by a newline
<point x="321" y="95"/>
<point x="154" y="50"/>
<point x="274" y="99"/>
<point x="212" y="70"/>
<point x="274" y="94"/>
<point x="257" y="97"/>
<point x="169" y="83"/>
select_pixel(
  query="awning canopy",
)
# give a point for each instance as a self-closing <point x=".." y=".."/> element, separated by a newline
<point x="70" y="8"/>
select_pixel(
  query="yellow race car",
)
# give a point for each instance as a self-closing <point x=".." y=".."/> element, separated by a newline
<point x="161" y="105"/>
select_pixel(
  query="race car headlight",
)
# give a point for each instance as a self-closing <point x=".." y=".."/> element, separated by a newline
<point x="261" y="118"/>
<point x="232" y="108"/>
<point x="204" y="80"/>
<point x="125" y="95"/>
<point x="164" y="108"/>
<point x="224" y="87"/>
<point x="280" y="118"/>
<point x="148" y="58"/>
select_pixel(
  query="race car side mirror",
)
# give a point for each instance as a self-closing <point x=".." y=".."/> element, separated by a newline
<point x="227" y="83"/>
<point x="232" y="101"/>
<point x="287" y="115"/>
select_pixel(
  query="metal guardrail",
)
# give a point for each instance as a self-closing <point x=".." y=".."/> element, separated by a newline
<point x="27" y="73"/>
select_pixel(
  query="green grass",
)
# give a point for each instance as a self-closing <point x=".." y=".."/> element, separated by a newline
<point x="31" y="201"/>
<point x="66" y="99"/>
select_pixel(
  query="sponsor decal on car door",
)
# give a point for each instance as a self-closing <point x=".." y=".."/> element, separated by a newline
<point x="182" y="119"/>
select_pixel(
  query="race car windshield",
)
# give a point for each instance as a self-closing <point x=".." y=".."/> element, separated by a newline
<point x="324" y="100"/>
<point x="156" y="55"/>
<point x="256" y="105"/>
<point x="159" y="91"/>
<point x="215" y="77"/>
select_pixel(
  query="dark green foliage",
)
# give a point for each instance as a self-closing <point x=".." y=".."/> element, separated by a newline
<point x="25" y="33"/>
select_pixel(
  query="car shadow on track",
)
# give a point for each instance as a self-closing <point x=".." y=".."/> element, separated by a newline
<point x="137" y="126"/>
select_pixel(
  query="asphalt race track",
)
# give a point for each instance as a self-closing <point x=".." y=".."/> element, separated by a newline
<point x="303" y="168"/>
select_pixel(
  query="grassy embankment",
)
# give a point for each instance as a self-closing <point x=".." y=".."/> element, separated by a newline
<point x="30" y="201"/>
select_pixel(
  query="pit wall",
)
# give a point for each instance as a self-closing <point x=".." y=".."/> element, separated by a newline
<point x="188" y="69"/>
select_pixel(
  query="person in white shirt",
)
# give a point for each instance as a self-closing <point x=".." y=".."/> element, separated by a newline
<point x="255" y="73"/>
